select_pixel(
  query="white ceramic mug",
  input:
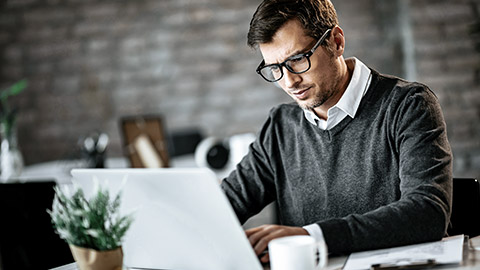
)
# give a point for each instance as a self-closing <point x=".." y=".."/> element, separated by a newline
<point x="297" y="252"/>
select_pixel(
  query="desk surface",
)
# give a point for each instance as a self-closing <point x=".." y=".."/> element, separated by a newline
<point x="471" y="260"/>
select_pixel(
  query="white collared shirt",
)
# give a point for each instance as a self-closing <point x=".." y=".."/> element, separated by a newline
<point x="347" y="105"/>
<point x="350" y="100"/>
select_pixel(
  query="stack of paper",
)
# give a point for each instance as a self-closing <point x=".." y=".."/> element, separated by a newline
<point x="447" y="251"/>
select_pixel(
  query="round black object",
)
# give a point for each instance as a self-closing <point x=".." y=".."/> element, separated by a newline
<point x="217" y="156"/>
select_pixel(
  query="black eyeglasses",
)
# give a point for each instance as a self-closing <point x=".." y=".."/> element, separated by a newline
<point x="296" y="64"/>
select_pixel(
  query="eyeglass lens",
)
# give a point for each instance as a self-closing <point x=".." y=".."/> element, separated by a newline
<point x="297" y="64"/>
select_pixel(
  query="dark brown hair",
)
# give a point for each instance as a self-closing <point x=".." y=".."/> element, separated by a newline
<point x="316" y="16"/>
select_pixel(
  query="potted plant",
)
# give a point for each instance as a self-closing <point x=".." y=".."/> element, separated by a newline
<point x="8" y="115"/>
<point x="11" y="162"/>
<point x="93" y="228"/>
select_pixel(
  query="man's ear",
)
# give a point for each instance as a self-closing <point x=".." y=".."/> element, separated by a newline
<point x="337" y="39"/>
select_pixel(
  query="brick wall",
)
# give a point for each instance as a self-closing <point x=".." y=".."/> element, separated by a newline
<point x="90" y="62"/>
<point x="448" y="62"/>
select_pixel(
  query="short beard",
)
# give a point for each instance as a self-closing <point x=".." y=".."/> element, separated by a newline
<point x="318" y="101"/>
<point x="322" y="97"/>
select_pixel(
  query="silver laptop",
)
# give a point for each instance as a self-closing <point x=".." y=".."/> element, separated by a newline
<point x="183" y="220"/>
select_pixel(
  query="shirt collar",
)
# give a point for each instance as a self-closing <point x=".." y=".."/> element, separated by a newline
<point x="350" y="100"/>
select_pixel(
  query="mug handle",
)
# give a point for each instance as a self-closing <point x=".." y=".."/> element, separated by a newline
<point x="322" y="254"/>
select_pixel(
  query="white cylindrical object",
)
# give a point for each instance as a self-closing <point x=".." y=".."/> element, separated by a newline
<point x="297" y="252"/>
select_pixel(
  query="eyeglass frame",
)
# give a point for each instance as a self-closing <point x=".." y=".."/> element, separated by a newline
<point x="284" y="63"/>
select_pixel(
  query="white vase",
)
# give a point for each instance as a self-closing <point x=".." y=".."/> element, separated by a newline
<point x="11" y="159"/>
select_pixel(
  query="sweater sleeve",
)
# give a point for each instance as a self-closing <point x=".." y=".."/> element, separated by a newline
<point x="250" y="187"/>
<point x="418" y="131"/>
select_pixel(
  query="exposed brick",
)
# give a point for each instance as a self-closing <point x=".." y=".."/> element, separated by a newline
<point x="13" y="54"/>
<point x="46" y="33"/>
<point x="90" y="62"/>
<point x="12" y="72"/>
<point x="444" y="12"/>
<point x="7" y="20"/>
<point x="100" y="11"/>
<point x="71" y="64"/>
<point x="64" y="84"/>
<point x="49" y="15"/>
<point x="43" y="68"/>
<point x="21" y="3"/>
<point x="91" y="28"/>
<point x="38" y="84"/>
<point x="175" y="19"/>
<point x="57" y="50"/>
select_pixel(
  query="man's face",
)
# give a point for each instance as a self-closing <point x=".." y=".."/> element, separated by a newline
<point x="316" y="86"/>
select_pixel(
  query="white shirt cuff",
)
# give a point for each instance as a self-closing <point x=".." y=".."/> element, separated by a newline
<point x="315" y="231"/>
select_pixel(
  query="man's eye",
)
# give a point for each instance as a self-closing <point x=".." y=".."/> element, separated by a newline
<point x="274" y="68"/>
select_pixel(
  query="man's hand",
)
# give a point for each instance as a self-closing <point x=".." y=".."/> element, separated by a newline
<point x="259" y="237"/>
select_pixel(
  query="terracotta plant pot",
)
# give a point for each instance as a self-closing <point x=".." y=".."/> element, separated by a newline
<point x="90" y="259"/>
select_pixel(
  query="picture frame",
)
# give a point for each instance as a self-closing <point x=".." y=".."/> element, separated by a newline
<point x="144" y="141"/>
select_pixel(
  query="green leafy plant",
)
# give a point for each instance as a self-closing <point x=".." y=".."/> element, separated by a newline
<point x="8" y="115"/>
<point x="93" y="223"/>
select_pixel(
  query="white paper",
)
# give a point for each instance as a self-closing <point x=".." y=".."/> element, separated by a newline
<point x="447" y="251"/>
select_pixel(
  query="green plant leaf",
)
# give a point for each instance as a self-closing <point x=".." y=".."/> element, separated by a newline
<point x="92" y="224"/>
<point x="18" y="87"/>
<point x="15" y="89"/>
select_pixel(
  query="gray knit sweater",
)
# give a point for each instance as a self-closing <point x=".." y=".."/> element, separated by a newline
<point x="379" y="180"/>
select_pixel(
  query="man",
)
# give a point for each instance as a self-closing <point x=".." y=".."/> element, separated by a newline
<point x="362" y="159"/>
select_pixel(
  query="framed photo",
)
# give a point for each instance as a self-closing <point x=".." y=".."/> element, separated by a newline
<point x="144" y="141"/>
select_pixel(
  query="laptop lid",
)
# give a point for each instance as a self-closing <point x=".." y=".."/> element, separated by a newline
<point x="183" y="220"/>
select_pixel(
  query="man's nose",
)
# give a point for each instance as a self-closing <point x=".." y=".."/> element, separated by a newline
<point x="291" y="79"/>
